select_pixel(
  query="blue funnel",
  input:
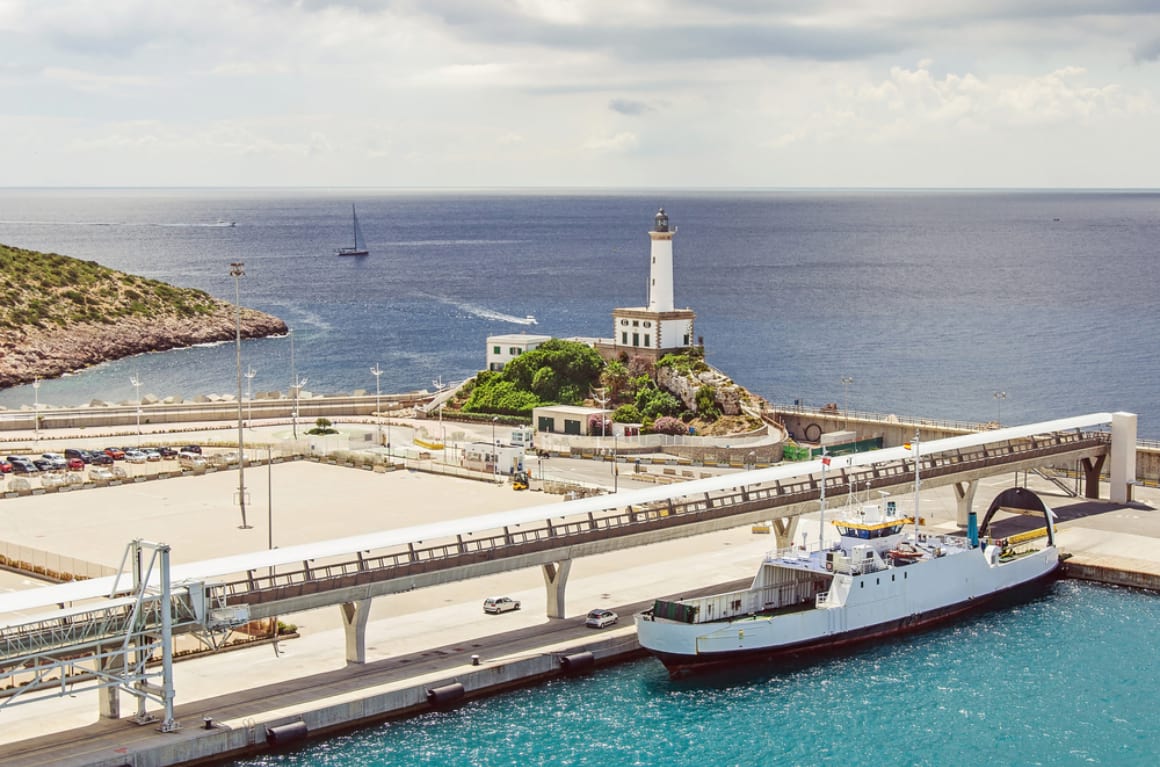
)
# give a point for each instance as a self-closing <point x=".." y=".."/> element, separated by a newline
<point x="973" y="530"/>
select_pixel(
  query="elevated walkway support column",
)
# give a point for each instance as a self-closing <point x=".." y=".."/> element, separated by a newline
<point x="354" y="624"/>
<point x="1122" y="474"/>
<point x="1091" y="475"/>
<point x="109" y="698"/>
<point x="964" y="497"/>
<point x="784" y="530"/>
<point x="555" y="579"/>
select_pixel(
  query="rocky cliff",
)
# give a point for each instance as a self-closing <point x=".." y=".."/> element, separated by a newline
<point x="60" y="314"/>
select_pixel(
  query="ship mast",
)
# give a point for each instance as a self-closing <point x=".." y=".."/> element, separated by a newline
<point x="822" y="501"/>
<point x="917" y="484"/>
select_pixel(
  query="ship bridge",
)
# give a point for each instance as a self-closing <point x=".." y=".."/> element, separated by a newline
<point x="99" y="632"/>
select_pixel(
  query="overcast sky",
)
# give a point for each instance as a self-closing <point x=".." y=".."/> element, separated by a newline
<point x="605" y="93"/>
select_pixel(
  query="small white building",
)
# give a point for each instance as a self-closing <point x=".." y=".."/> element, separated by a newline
<point x="504" y="348"/>
<point x="566" y="419"/>
<point x="497" y="459"/>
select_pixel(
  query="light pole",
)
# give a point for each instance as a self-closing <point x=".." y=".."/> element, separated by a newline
<point x="36" y="409"/>
<point x="237" y="271"/>
<point x="999" y="397"/>
<point x="615" y="470"/>
<point x="135" y="379"/>
<point x="377" y="371"/>
<point x="846" y="381"/>
<point x="298" y="384"/>
<point x="250" y="373"/>
<point x="494" y="451"/>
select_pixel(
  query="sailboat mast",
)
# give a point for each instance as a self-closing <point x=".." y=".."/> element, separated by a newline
<point x="354" y="224"/>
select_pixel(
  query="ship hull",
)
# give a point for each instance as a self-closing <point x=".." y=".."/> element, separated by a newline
<point x="805" y="636"/>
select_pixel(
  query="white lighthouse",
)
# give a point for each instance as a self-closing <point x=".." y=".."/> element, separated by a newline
<point x="654" y="330"/>
<point x="660" y="287"/>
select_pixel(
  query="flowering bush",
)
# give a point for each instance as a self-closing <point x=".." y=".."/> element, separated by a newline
<point x="669" y="425"/>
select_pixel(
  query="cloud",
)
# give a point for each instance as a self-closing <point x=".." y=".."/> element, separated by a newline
<point x="620" y="142"/>
<point x="94" y="83"/>
<point x="629" y="107"/>
<point x="1148" y="51"/>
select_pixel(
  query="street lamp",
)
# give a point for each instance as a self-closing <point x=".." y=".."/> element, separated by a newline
<point x="237" y="271"/>
<point x="999" y="397"/>
<point x="494" y="451"/>
<point x="250" y="373"/>
<point x="377" y="371"/>
<point x="298" y="384"/>
<point x="36" y="409"/>
<point x="615" y="470"/>
<point x="846" y="381"/>
<point x="135" y="379"/>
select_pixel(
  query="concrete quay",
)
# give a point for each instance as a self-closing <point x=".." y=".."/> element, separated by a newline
<point x="424" y="639"/>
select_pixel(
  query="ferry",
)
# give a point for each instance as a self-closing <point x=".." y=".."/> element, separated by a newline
<point x="881" y="578"/>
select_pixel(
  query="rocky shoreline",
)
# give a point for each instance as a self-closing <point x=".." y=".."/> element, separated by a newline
<point x="48" y="353"/>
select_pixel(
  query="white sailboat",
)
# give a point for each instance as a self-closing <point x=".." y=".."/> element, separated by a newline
<point x="360" y="244"/>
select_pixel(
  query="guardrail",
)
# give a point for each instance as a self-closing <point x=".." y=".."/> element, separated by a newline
<point x="408" y="561"/>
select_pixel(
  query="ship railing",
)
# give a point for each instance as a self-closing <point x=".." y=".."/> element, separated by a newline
<point x="820" y="599"/>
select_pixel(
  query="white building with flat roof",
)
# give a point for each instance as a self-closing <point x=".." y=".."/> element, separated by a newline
<point x="504" y="348"/>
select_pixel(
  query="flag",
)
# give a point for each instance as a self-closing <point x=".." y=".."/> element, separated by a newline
<point x="906" y="445"/>
<point x="825" y="460"/>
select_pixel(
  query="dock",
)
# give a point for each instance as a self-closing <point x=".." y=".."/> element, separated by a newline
<point x="430" y="647"/>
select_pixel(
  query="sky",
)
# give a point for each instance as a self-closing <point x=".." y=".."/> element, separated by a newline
<point x="580" y="93"/>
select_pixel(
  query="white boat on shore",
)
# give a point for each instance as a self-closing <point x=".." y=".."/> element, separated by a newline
<point x="878" y="580"/>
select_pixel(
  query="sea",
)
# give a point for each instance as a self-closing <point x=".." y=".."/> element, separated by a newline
<point x="1069" y="679"/>
<point x="978" y="306"/>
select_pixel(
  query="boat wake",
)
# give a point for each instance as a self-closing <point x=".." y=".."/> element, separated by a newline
<point x="485" y="313"/>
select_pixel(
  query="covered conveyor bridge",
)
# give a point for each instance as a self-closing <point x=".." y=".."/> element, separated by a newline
<point x="213" y="595"/>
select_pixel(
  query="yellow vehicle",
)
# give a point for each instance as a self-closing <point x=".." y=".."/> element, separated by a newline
<point x="520" y="480"/>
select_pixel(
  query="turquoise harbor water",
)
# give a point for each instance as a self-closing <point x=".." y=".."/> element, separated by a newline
<point x="1069" y="679"/>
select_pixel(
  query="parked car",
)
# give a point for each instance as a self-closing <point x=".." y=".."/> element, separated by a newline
<point x="99" y="458"/>
<point x="75" y="464"/>
<point x="168" y="453"/>
<point x="76" y="452"/>
<point x="132" y="455"/>
<point x="57" y="460"/>
<point x="100" y="474"/>
<point x="21" y="465"/>
<point x="116" y="453"/>
<point x="152" y="454"/>
<point x="191" y="449"/>
<point x="598" y="619"/>
<point x="43" y="464"/>
<point x="496" y="605"/>
<point x="5" y="467"/>
<point x="189" y="460"/>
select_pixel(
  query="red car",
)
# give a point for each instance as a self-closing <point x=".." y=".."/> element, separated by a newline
<point x="116" y="453"/>
<point x="5" y="467"/>
<point x="76" y="464"/>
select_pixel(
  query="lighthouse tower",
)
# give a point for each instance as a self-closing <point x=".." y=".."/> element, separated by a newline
<point x="652" y="331"/>
<point x="660" y="287"/>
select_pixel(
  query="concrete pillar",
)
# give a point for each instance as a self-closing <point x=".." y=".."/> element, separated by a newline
<point x="784" y="531"/>
<point x="964" y="497"/>
<point x="555" y="579"/>
<point x="1122" y="474"/>
<point x="1091" y="475"/>
<point x="109" y="698"/>
<point x="354" y="624"/>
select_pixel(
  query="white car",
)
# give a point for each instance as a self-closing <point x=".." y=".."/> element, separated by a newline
<point x="496" y="605"/>
<point x="136" y="456"/>
<point x="598" y="619"/>
<point x="57" y="460"/>
<point x="100" y="474"/>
